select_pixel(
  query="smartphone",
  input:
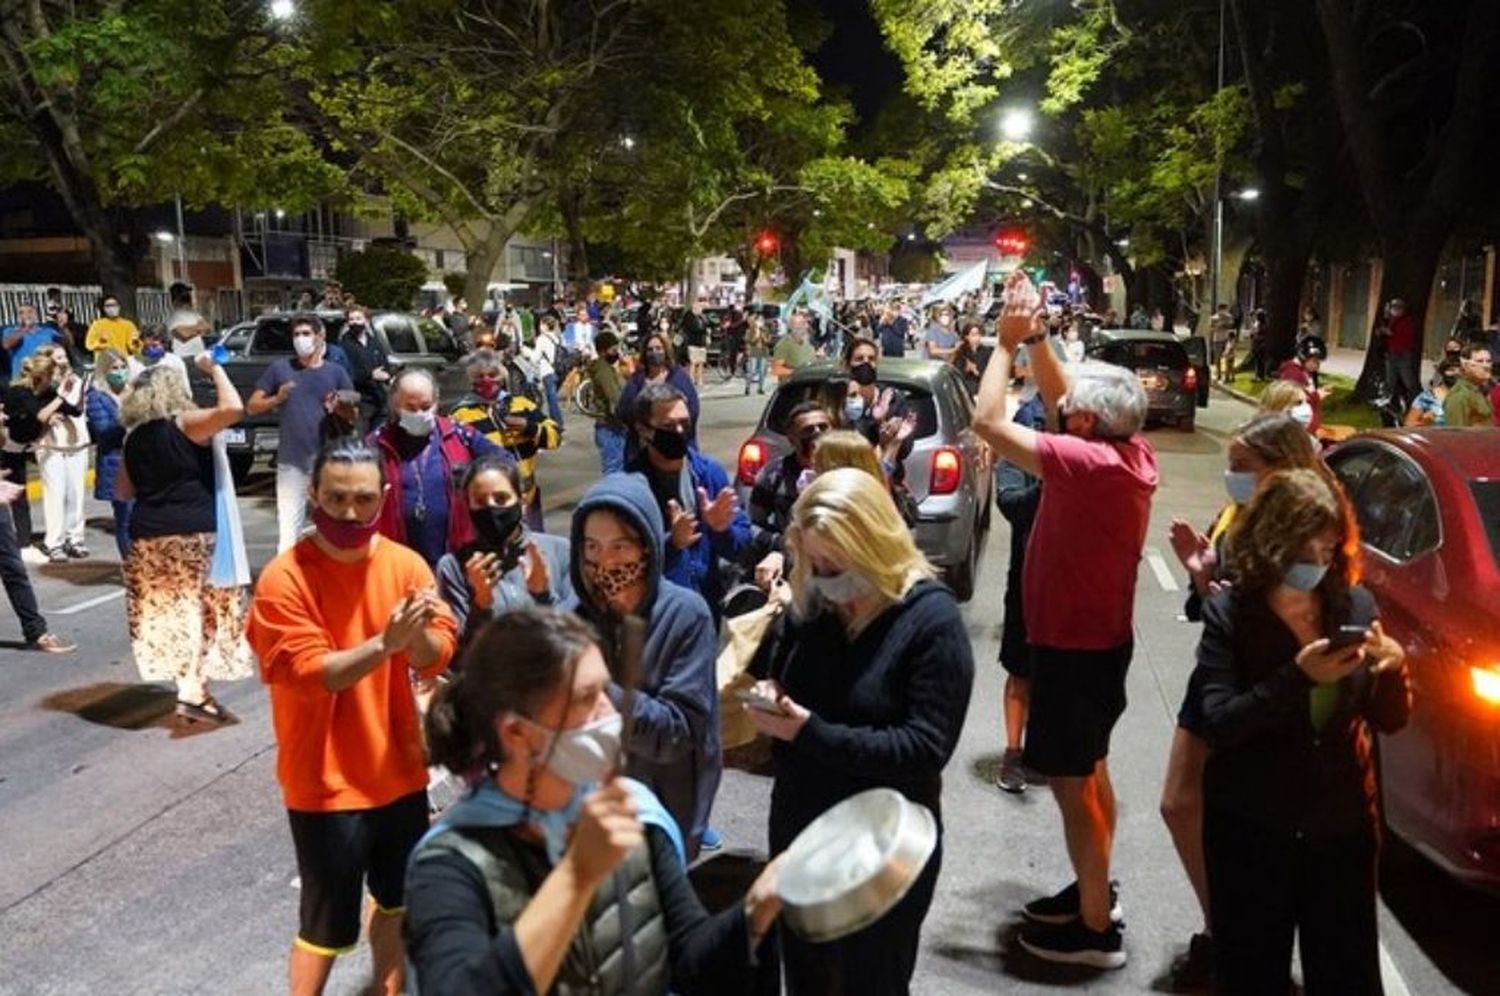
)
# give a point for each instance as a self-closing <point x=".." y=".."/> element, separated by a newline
<point x="755" y="700"/>
<point x="1348" y="636"/>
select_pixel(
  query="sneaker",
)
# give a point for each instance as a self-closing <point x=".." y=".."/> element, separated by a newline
<point x="1063" y="907"/>
<point x="57" y="555"/>
<point x="33" y="555"/>
<point x="1012" y="777"/>
<point x="51" y="643"/>
<point x="76" y="550"/>
<point x="1192" y="971"/>
<point x="712" y="841"/>
<point x="1075" y="944"/>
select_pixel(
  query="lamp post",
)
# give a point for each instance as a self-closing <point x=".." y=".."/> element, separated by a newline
<point x="1216" y="251"/>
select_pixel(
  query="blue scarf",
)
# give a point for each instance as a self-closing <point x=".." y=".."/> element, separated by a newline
<point x="486" y="806"/>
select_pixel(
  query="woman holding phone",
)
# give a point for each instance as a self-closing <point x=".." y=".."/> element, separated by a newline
<point x="1294" y="675"/>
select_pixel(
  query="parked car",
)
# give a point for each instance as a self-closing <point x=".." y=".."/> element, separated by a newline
<point x="1175" y="386"/>
<point x="408" y="339"/>
<point x="948" y="471"/>
<point x="1428" y="503"/>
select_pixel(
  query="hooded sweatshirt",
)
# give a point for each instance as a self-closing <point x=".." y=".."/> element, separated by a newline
<point x="674" y="739"/>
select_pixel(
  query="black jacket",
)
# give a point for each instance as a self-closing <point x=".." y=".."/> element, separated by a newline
<point x="1269" y="766"/>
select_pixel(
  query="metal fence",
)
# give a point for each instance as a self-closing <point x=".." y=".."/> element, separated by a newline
<point x="152" y="304"/>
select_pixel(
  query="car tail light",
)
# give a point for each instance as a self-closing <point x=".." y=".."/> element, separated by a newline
<point x="1190" y="379"/>
<point x="753" y="457"/>
<point x="1486" y="681"/>
<point x="947" y="471"/>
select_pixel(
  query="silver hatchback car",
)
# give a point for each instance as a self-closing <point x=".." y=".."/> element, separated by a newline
<point x="948" y="472"/>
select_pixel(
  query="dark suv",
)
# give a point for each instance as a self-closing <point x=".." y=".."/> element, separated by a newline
<point x="1175" y="386"/>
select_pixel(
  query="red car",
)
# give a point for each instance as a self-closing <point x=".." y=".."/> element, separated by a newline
<point x="1428" y="502"/>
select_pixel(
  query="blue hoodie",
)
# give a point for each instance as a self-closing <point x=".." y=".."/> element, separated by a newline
<point x="674" y="742"/>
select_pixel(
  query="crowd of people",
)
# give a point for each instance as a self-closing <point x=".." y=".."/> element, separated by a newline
<point x="418" y="616"/>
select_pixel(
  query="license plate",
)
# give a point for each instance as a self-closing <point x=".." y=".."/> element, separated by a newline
<point x="234" y="437"/>
<point x="1153" y="382"/>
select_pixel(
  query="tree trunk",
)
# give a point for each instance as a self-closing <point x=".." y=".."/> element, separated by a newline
<point x="1407" y="271"/>
<point x="570" y="207"/>
<point x="1286" y="271"/>
<point x="480" y="261"/>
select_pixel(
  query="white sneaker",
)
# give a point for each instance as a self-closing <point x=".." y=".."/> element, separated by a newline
<point x="31" y="555"/>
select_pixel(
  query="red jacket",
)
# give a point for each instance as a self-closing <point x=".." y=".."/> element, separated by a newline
<point x="460" y="445"/>
<point x="1403" y="337"/>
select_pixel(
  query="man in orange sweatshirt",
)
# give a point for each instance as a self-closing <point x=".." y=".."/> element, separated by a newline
<point x="340" y="622"/>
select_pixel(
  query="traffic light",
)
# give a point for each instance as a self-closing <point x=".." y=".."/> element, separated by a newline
<point x="1012" y="242"/>
<point x="766" y="244"/>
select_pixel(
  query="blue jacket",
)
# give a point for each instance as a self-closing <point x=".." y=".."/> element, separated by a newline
<point x="697" y="567"/>
<point x="103" y="416"/>
<point x="674" y="738"/>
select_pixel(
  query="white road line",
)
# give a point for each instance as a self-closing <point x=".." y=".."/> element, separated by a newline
<point x="1159" y="568"/>
<point x="88" y="604"/>
<point x="1390" y="975"/>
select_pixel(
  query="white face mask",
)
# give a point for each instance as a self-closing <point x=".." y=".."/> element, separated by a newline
<point x="417" y="424"/>
<point x="305" y="345"/>
<point x="841" y="588"/>
<point x="584" y="755"/>
<point x="1302" y="414"/>
<point x="112" y="310"/>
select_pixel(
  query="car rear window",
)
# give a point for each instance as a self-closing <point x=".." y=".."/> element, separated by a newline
<point x="1138" y="355"/>
<point x="1487" y="497"/>
<point x="830" y="394"/>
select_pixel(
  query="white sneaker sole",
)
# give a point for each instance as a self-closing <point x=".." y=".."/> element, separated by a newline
<point x="1091" y="957"/>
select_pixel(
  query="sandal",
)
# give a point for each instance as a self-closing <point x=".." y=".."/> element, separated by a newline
<point x="207" y="711"/>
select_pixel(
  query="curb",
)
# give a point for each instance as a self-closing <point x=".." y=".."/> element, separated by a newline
<point x="1253" y="402"/>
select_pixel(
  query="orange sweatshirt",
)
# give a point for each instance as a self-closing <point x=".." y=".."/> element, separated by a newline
<point x="362" y="747"/>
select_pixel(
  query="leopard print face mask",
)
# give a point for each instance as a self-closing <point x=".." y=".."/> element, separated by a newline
<point x="606" y="584"/>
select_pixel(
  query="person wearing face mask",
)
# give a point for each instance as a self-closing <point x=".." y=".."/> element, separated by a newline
<point x="517" y="888"/>
<point x="1098" y="477"/>
<point x="881" y="414"/>
<point x="1402" y="358"/>
<point x="777" y="487"/>
<point x="1303" y="371"/>
<point x="1289" y="398"/>
<point x="113" y="331"/>
<point x="940" y="342"/>
<point x="508" y="566"/>
<point x="295" y="390"/>
<point x="369" y="363"/>
<point x="186" y="625"/>
<point x="512" y="421"/>
<point x="156" y="350"/>
<point x="46" y="413"/>
<point x="1294" y="676"/>
<point x="1427" y="407"/>
<point x="655" y="367"/>
<point x="102" y="410"/>
<point x="603" y="371"/>
<point x="871" y="674"/>
<point x="619" y="546"/>
<point x="1265" y="444"/>
<point x="705" y="523"/>
<point x="341" y="623"/>
<point x="424" y="456"/>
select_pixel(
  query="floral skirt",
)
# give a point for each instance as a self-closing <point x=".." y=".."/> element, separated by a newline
<point x="182" y="628"/>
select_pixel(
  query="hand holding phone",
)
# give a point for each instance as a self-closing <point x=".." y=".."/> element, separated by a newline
<point x="1347" y="636"/>
<point x="755" y="699"/>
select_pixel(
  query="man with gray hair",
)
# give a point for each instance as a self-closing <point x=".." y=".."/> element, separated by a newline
<point x="1078" y="588"/>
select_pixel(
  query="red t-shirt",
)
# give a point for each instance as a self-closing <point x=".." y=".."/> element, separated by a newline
<point x="1085" y="548"/>
<point x="1403" y="336"/>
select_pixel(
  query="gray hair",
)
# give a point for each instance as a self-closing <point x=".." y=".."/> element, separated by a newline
<point x="652" y="395"/>
<point x="483" y="359"/>
<point x="1112" y="394"/>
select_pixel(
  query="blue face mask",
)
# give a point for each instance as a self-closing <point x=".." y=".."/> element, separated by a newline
<point x="1240" y="484"/>
<point x="1304" y="576"/>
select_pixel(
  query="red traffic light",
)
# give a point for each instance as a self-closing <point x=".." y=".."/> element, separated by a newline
<point x="766" y="243"/>
<point x="1012" y="242"/>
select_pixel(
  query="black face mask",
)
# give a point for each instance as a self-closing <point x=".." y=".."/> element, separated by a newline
<point x="496" y="526"/>
<point x="612" y="356"/>
<point x="656" y="358"/>
<point x="670" y="443"/>
<point x="358" y="328"/>
<point x="862" y="374"/>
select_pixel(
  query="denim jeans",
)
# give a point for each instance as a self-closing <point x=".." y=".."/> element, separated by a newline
<point x="122" y="526"/>
<point x="554" y="406"/>
<point x="755" y="373"/>
<point x="611" y="442"/>
<point x="17" y="582"/>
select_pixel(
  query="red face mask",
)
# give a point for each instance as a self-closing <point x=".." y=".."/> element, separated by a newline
<point x="342" y="533"/>
<point x="487" y="388"/>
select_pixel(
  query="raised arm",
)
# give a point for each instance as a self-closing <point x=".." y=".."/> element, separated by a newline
<point x="200" y="424"/>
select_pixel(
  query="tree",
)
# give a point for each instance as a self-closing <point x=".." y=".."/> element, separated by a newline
<point x="121" y="105"/>
<point x="1415" y="158"/>
<point x="382" y="277"/>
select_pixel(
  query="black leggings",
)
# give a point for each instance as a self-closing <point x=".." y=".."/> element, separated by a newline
<point x="20" y="509"/>
<point x="1264" y="886"/>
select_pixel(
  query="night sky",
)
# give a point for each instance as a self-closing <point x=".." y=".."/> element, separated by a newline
<point x="854" y="58"/>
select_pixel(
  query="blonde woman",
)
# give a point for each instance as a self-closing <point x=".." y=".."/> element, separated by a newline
<point x="1288" y="397"/>
<point x="46" y="411"/>
<point x="846" y="448"/>
<point x="871" y="672"/>
<point x="183" y="628"/>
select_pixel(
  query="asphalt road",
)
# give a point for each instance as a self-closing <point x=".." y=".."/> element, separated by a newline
<point x="137" y="859"/>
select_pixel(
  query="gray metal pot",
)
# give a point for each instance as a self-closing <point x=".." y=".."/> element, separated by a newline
<point x="848" y="867"/>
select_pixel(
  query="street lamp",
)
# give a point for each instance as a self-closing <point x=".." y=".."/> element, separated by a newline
<point x="165" y="237"/>
<point x="628" y="143"/>
<point x="1016" y="124"/>
<point x="1249" y="194"/>
<point x="283" y="10"/>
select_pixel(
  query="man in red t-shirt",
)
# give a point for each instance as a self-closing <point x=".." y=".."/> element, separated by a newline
<point x="1400" y="354"/>
<point x="1078" y="589"/>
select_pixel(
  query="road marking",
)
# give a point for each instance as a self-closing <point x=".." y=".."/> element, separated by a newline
<point x="88" y="604"/>
<point x="1390" y="975"/>
<point x="1159" y="568"/>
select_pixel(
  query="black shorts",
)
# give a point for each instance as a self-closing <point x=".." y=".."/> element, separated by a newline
<point x="1190" y="716"/>
<point x="338" y="852"/>
<point x="1015" y="652"/>
<point x="1076" y="698"/>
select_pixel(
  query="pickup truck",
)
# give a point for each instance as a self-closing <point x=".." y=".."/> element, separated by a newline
<point x="409" y="340"/>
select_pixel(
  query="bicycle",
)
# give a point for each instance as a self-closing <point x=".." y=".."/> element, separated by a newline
<point x="587" y="401"/>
